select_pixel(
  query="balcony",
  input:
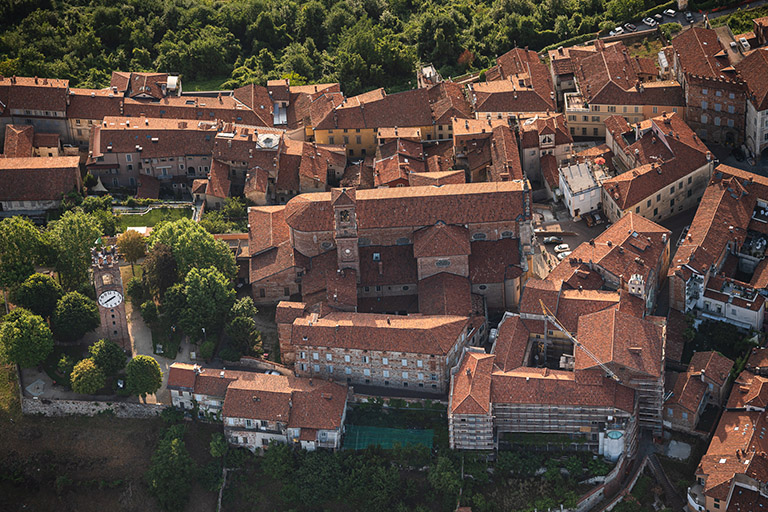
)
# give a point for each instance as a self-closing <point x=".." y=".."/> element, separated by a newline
<point x="696" y="500"/>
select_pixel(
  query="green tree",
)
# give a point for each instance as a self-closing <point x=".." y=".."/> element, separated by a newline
<point x="39" y="293"/>
<point x="135" y="291"/>
<point x="65" y="366"/>
<point x="143" y="375"/>
<point x="218" y="446"/>
<point x="132" y="246"/>
<point x="75" y="315"/>
<point x="87" y="378"/>
<point x="25" y="338"/>
<point x="73" y="236"/>
<point x="244" y="335"/>
<point x="170" y="474"/>
<point x="160" y="271"/>
<point x="193" y="247"/>
<point x="209" y="297"/>
<point x="444" y="479"/>
<point x="149" y="313"/>
<point x="108" y="356"/>
<point x="20" y="243"/>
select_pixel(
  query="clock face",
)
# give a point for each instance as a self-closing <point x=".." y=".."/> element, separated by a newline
<point x="110" y="299"/>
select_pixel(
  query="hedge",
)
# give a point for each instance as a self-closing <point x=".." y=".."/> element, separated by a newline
<point x="583" y="38"/>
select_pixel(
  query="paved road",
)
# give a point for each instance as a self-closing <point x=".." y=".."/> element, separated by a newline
<point x="697" y="17"/>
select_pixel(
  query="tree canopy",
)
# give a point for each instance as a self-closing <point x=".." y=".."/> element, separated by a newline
<point x="20" y="244"/>
<point x="75" y="315"/>
<point x="209" y="297"/>
<point x="193" y="247"/>
<point x="362" y="44"/>
<point x="73" y="236"/>
<point x="143" y="375"/>
<point x="170" y="474"/>
<point x="132" y="246"/>
<point x="108" y="356"/>
<point x="87" y="377"/>
<point x="25" y="338"/>
<point x="39" y="293"/>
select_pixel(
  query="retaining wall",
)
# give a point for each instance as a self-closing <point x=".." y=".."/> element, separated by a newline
<point x="50" y="407"/>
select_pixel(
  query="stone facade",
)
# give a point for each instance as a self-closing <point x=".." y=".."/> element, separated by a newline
<point x="48" y="407"/>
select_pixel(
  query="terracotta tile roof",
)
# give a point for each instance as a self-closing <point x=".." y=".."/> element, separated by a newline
<point x="149" y="187"/>
<point x="553" y="125"/>
<point x="94" y="104"/>
<point x="494" y="261"/>
<point x="622" y="249"/>
<point x="181" y="375"/>
<point x="716" y="366"/>
<point x="542" y="386"/>
<point x="407" y="108"/>
<point x="447" y="101"/>
<point x="199" y="109"/>
<point x="550" y="170"/>
<point x="267" y="227"/>
<point x="424" y="179"/>
<point x="395" y="265"/>
<point x="676" y="327"/>
<point x="506" y="96"/>
<point x="441" y="240"/>
<point x="573" y="304"/>
<point x="204" y="381"/>
<point x="275" y="260"/>
<point x="387" y="133"/>
<point x="359" y="174"/>
<point x="734" y="446"/>
<point x="749" y="390"/>
<point x="46" y="140"/>
<point x="505" y="156"/>
<point x="315" y="88"/>
<point x="666" y="153"/>
<point x="445" y="294"/>
<point x="420" y="334"/>
<point x="476" y="128"/>
<point x="536" y="291"/>
<point x="18" y="141"/>
<point x="722" y="216"/>
<point x="699" y="53"/>
<point x="524" y="68"/>
<point x="396" y="160"/>
<point x="622" y="339"/>
<point x="256" y="181"/>
<point x="562" y="59"/>
<point x="286" y="311"/>
<point x="156" y="137"/>
<point x="33" y="94"/>
<point x="400" y="304"/>
<point x="256" y="98"/>
<point x="471" y="391"/>
<point x="753" y="70"/>
<point x="746" y="500"/>
<point x="341" y="290"/>
<point x="247" y="145"/>
<point x="511" y="344"/>
<point x="319" y="269"/>
<point x="687" y="392"/>
<point x="38" y="178"/>
<point x="415" y="206"/>
<point x="293" y="401"/>
<point x="135" y="84"/>
<point x="218" y="180"/>
<point x="758" y="360"/>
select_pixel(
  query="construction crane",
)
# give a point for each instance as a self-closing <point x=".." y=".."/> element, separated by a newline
<point x="552" y="318"/>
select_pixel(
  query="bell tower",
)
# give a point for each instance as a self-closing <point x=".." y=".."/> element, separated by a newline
<point x="109" y="296"/>
<point x="345" y="229"/>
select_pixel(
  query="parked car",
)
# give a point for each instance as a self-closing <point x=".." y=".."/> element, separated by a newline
<point x="671" y="13"/>
<point x="553" y="240"/>
<point x="272" y="372"/>
<point x="563" y="255"/>
<point x="650" y="22"/>
<point x="562" y="248"/>
<point x="629" y="27"/>
<point x="658" y="17"/>
<point x="598" y="218"/>
<point x="617" y="31"/>
<point x="589" y="220"/>
<point x="689" y="17"/>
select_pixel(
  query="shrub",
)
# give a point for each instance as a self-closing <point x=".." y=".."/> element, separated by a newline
<point x="108" y="356"/>
<point x="207" y="349"/>
<point x="229" y="354"/>
<point x="86" y="377"/>
<point x="135" y="291"/>
<point x="149" y="312"/>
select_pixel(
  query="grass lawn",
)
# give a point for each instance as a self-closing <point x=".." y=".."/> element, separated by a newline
<point x="646" y="48"/>
<point x="211" y="84"/>
<point x="127" y="275"/>
<point x="152" y="217"/>
<point x="9" y="393"/>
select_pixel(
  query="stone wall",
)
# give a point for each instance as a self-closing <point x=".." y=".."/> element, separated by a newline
<point x="52" y="407"/>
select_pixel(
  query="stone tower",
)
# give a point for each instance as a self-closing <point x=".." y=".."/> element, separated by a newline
<point x="110" y="298"/>
<point x="345" y="229"/>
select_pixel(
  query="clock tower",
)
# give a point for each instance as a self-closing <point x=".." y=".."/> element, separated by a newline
<point x="109" y="296"/>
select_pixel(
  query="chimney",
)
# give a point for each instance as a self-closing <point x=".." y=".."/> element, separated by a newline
<point x="221" y="374"/>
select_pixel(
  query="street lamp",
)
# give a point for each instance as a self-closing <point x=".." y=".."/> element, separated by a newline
<point x="205" y="338"/>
